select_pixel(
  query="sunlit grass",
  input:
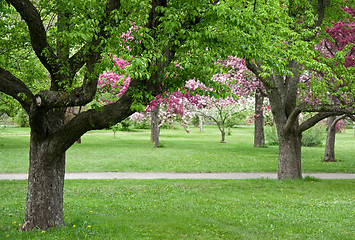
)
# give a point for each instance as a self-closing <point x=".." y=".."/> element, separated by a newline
<point x="192" y="209"/>
<point x="180" y="152"/>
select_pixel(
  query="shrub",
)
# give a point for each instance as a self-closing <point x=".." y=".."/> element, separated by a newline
<point x="310" y="138"/>
<point x="21" y="118"/>
<point x="313" y="136"/>
<point x="271" y="135"/>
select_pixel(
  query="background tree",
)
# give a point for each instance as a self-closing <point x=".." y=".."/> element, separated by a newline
<point x="278" y="48"/>
<point x="73" y="47"/>
<point x="341" y="35"/>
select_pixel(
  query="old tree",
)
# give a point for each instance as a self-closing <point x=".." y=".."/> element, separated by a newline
<point x="70" y="43"/>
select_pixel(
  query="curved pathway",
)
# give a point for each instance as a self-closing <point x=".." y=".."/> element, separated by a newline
<point x="174" y="175"/>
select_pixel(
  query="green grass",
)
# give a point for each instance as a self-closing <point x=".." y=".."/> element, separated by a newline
<point x="192" y="209"/>
<point x="181" y="152"/>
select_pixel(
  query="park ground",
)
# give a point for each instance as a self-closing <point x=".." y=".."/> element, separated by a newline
<point x="311" y="208"/>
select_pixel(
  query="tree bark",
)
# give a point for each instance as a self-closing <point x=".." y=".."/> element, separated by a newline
<point x="329" y="155"/>
<point x="223" y="136"/>
<point x="154" y="137"/>
<point x="259" y="137"/>
<point x="289" y="164"/>
<point x="44" y="204"/>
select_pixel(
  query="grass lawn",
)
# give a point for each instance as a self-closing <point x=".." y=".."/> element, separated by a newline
<point x="181" y="152"/>
<point x="192" y="209"/>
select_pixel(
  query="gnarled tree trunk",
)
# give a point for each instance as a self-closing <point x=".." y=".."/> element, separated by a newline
<point x="289" y="164"/>
<point x="44" y="204"/>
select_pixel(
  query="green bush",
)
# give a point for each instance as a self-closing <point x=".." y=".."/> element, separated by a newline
<point x="271" y="135"/>
<point x="143" y="125"/>
<point x="310" y="138"/>
<point x="313" y="136"/>
<point x="21" y="118"/>
<point x="125" y="125"/>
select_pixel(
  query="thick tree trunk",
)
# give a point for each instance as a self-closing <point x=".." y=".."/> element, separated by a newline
<point x="44" y="204"/>
<point x="154" y="137"/>
<point x="259" y="138"/>
<point x="289" y="166"/>
<point x="329" y="155"/>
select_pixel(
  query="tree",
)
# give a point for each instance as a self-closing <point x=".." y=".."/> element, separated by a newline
<point x="73" y="44"/>
<point x="333" y="127"/>
<point x="259" y="137"/>
<point x="340" y="36"/>
<point x="278" y="48"/>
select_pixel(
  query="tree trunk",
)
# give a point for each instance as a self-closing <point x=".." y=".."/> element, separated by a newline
<point x="200" y="123"/>
<point x="259" y="138"/>
<point x="329" y="155"/>
<point x="289" y="165"/>
<point x="44" y="204"/>
<point x="223" y="136"/>
<point x="154" y="137"/>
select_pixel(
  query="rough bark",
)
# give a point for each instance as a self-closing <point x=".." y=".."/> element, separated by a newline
<point x="282" y="94"/>
<point x="259" y="137"/>
<point x="289" y="164"/>
<point x="154" y="137"/>
<point x="44" y="204"/>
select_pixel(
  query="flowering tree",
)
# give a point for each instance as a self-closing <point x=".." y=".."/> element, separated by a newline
<point x="222" y="100"/>
<point x="278" y="49"/>
<point x="339" y="37"/>
<point x="72" y="48"/>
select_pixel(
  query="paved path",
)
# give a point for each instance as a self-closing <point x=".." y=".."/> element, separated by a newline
<point x="173" y="175"/>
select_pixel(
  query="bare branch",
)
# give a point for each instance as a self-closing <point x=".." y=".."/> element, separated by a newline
<point x="314" y="120"/>
<point x="336" y="120"/>
<point x="324" y="111"/>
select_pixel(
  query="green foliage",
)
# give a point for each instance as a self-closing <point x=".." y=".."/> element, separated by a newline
<point x="21" y="118"/>
<point x="311" y="179"/>
<point x="271" y="137"/>
<point x="8" y="105"/>
<point x="125" y="124"/>
<point x="314" y="136"/>
<point x="238" y="118"/>
<point x="143" y="125"/>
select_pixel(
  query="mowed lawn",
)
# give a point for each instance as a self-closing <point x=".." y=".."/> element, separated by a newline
<point x="180" y="152"/>
<point x="191" y="209"/>
<point x="185" y="209"/>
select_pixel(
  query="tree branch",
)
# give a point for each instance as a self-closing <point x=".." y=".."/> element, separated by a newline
<point x="324" y="111"/>
<point x="314" y="120"/>
<point x="14" y="87"/>
<point x="37" y="33"/>
<point x="90" y="120"/>
<point x="336" y="120"/>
